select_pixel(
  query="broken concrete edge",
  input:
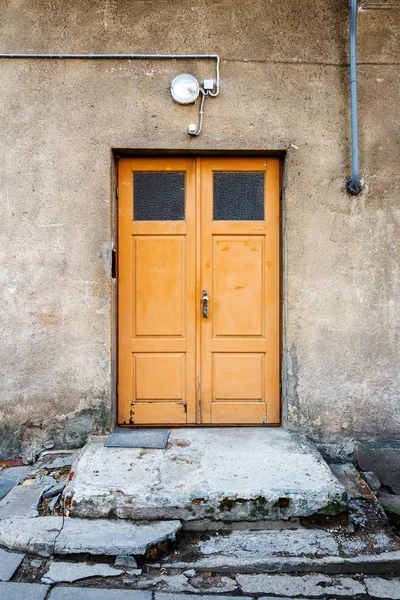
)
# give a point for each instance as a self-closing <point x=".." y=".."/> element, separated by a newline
<point x="104" y="504"/>
<point x="59" y="536"/>
<point x="386" y="562"/>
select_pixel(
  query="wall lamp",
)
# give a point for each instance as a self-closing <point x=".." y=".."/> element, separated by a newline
<point x="185" y="89"/>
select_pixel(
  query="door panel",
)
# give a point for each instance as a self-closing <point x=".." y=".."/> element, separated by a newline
<point x="240" y="271"/>
<point x="238" y="285"/>
<point x="156" y="292"/>
<point x="184" y="226"/>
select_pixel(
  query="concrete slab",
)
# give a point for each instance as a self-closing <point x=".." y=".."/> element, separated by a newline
<point x="305" y="585"/>
<point x="251" y="544"/>
<point x="16" y="474"/>
<point x="6" y="485"/>
<point x="163" y="596"/>
<point x="9" y="563"/>
<point x="64" y="593"/>
<point x="11" y="477"/>
<point x="377" y="587"/>
<point x="36" y="536"/>
<point x="69" y="572"/>
<point x="113" y="537"/>
<point x="23" y="591"/>
<point x="386" y="562"/>
<point x="230" y="474"/>
<point x="22" y="501"/>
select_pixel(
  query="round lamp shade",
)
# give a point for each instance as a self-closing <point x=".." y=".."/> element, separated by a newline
<point x="185" y="89"/>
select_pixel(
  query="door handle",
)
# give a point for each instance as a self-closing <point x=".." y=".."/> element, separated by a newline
<point x="205" y="304"/>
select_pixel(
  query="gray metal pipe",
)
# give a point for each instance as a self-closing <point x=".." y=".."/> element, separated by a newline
<point x="354" y="185"/>
<point x="122" y="57"/>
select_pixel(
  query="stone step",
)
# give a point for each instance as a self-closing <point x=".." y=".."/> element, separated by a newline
<point x="228" y="474"/>
<point x="292" y="551"/>
<point x="57" y="535"/>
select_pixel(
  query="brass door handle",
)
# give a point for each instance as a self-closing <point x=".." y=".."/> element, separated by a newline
<point x="205" y="304"/>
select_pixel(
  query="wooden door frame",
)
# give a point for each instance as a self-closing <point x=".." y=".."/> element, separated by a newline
<point x="121" y="153"/>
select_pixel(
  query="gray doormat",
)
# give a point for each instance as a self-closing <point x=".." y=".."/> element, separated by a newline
<point x="123" y="437"/>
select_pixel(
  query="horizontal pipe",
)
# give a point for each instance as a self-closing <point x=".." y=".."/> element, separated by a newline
<point x="91" y="56"/>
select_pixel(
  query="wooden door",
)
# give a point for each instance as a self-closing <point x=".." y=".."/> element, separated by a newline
<point x="189" y="227"/>
<point x="156" y="291"/>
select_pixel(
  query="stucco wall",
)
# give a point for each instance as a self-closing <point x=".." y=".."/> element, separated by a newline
<point x="284" y="87"/>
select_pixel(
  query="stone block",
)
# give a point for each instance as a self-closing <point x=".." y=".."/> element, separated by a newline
<point x="16" y="474"/>
<point x="114" y="537"/>
<point x="306" y="585"/>
<point x="166" y="596"/>
<point x="127" y="562"/>
<point x="383" y="458"/>
<point x="64" y="593"/>
<point x="6" y="485"/>
<point x="23" y="591"/>
<point x="22" y="501"/>
<point x="69" y="572"/>
<point x="9" y="563"/>
<point x="252" y="544"/>
<point x="371" y="479"/>
<point x="377" y="587"/>
<point x="36" y="536"/>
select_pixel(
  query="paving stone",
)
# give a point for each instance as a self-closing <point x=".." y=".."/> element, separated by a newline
<point x="384" y="562"/>
<point x="69" y="572"/>
<point x="57" y="489"/>
<point x="16" y="474"/>
<point x="22" y="501"/>
<point x="181" y="584"/>
<point x="271" y="543"/>
<point x="126" y="561"/>
<point x="24" y="591"/>
<point x="64" y="593"/>
<point x="9" y="563"/>
<point x="166" y="596"/>
<point x="36" y="536"/>
<point x="5" y="486"/>
<point x="10" y="478"/>
<point x="378" y="587"/>
<point x="113" y="538"/>
<point x="306" y="585"/>
<point x="45" y="480"/>
<point x="58" y="463"/>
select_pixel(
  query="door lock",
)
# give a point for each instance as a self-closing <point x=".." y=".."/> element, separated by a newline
<point x="205" y="304"/>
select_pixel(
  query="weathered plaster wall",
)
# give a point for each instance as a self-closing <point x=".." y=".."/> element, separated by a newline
<point x="284" y="87"/>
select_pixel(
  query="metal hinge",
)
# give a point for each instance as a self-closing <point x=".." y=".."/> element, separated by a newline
<point x="117" y="193"/>
<point x="113" y="264"/>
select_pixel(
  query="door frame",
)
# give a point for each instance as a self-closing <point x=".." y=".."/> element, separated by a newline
<point x="121" y="153"/>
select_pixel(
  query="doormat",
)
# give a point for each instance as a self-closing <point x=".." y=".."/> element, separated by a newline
<point x="122" y="437"/>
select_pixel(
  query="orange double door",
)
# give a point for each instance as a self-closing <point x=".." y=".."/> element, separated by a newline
<point x="198" y="291"/>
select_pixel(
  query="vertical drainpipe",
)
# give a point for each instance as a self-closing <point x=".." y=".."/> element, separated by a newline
<point x="355" y="184"/>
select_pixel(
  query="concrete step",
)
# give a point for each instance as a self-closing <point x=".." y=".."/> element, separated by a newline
<point x="57" y="535"/>
<point x="302" y="550"/>
<point x="228" y="474"/>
